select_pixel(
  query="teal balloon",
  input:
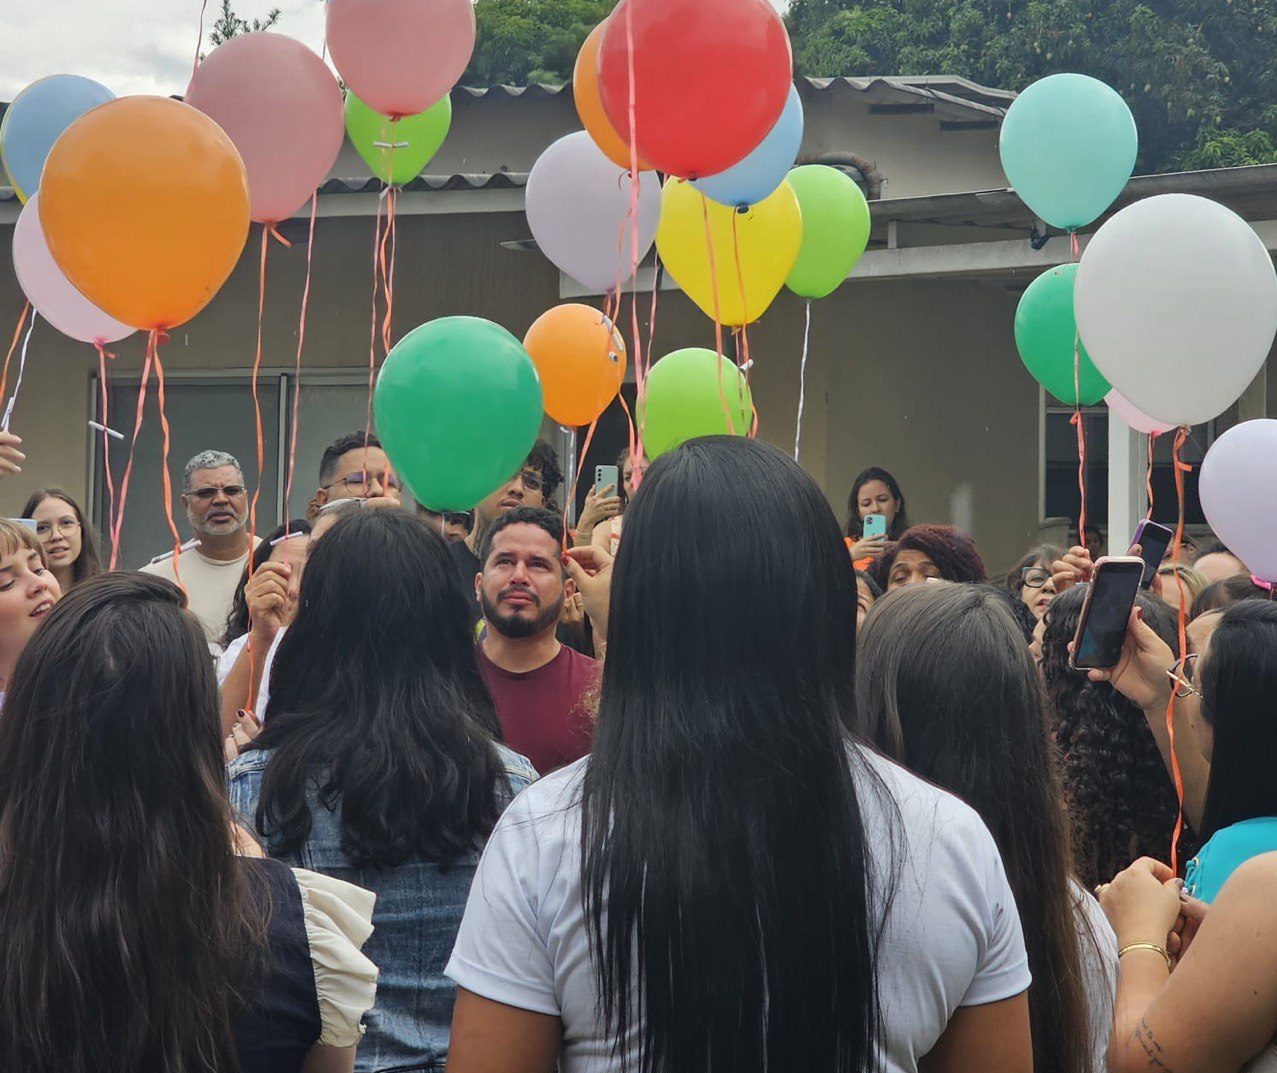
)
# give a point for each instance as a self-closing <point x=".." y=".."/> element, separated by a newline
<point x="693" y="392"/>
<point x="1046" y="335"/>
<point x="1068" y="147"/>
<point x="397" y="150"/>
<point x="458" y="408"/>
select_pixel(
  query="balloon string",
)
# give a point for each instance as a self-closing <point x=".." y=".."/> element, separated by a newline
<point x="166" y="480"/>
<point x="1180" y="468"/>
<point x="802" y="381"/>
<point x="1073" y="245"/>
<point x="718" y="324"/>
<point x="1077" y="422"/>
<point x="743" y="360"/>
<point x="640" y="368"/>
<point x="1148" y="475"/>
<point x="104" y="395"/>
<point x="274" y="233"/>
<point x="372" y="331"/>
<point x="17" y="384"/>
<point x="128" y="466"/>
<point x="199" y="41"/>
<point x="297" y="369"/>
<point x="257" y="404"/>
<point x="13" y="346"/>
<point x="387" y="268"/>
<point x="576" y="478"/>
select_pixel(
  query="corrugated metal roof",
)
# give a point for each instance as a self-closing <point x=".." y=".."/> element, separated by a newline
<point x="502" y="180"/>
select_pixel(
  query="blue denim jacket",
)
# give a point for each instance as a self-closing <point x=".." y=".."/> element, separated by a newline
<point x="415" y="923"/>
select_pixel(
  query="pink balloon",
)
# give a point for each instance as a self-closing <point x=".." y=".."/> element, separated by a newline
<point x="400" y="56"/>
<point x="1136" y="419"/>
<point x="50" y="292"/>
<point x="281" y="106"/>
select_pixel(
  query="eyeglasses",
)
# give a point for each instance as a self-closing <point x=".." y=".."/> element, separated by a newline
<point x="531" y="480"/>
<point x="1181" y="673"/>
<point x="66" y="527"/>
<point x="207" y="495"/>
<point x="1034" y="577"/>
<point x="360" y="481"/>
<point x="464" y="517"/>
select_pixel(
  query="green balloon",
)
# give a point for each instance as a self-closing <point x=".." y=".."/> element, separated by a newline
<point x="458" y="408"/>
<point x="835" y="229"/>
<point x="1046" y="336"/>
<point x="685" y="397"/>
<point x="397" y="150"/>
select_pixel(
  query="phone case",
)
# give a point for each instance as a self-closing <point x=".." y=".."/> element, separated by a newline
<point x="1086" y="604"/>
<point x="875" y="525"/>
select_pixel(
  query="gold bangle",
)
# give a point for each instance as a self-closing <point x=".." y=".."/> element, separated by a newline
<point x="1145" y="946"/>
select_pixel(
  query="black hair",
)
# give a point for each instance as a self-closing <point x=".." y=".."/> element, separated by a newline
<point x="543" y="459"/>
<point x="875" y="590"/>
<point x="1120" y="798"/>
<point x="543" y="519"/>
<point x="946" y="686"/>
<point x="1226" y="592"/>
<point x="354" y="441"/>
<point x="237" y="621"/>
<point x="954" y="553"/>
<point x="376" y="700"/>
<point x="89" y="562"/>
<point x="1238" y="677"/>
<point x="726" y="900"/>
<point x="855" y="525"/>
<point x="1215" y="547"/>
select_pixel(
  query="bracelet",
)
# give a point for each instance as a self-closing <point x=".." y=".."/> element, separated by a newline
<point x="1145" y="946"/>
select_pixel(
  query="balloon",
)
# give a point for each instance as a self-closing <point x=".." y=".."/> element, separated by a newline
<point x="406" y="145"/>
<point x="580" y="357"/>
<point x="765" y="168"/>
<point x="693" y="392"/>
<point x="1176" y="300"/>
<point x="577" y="200"/>
<point x="400" y="56"/>
<point x="585" y="91"/>
<point x="1047" y="339"/>
<point x="144" y="203"/>
<point x="1068" y="147"/>
<point x="34" y="120"/>
<point x="711" y="78"/>
<point x="50" y="292"/>
<point x="1133" y="418"/>
<point x="458" y="407"/>
<point x="753" y="251"/>
<point x="1238" y="489"/>
<point x="281" y="106"/>
<point x="835" y="229"/>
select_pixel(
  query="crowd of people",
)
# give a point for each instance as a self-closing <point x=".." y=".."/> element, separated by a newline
<point x="676" y="790"/>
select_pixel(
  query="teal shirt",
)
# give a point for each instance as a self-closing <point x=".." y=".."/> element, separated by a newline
<point x="1225" y="852"/>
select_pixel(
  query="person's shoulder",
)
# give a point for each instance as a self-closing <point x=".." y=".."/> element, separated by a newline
<point x="518" y="768"/>
<point x="550" y="800"/>
<point x="919" y="801"/>
<point x="248" y="765"/>
<point x="580" y="661"/>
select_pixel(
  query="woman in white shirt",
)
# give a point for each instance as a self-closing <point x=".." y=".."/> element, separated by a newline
<point x="945" y="685"/>
<point x="729" y="881"/>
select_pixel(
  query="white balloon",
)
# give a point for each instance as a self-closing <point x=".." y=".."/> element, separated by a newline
<point x="1176" y="302"/>
<point x="1238" y="489"/>
<point x="577" y="201"/>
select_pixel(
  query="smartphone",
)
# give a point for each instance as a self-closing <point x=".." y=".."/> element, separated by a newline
<point x="874" y="525"/>
<point x="1102" y="627"/>
<point x="1153" y="540"/>
<point x="603" y="476"/>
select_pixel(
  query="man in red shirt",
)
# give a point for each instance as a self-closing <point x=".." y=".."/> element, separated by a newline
<point x="537" y="684"/>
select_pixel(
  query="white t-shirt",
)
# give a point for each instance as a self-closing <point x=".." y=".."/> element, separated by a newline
<point x="1097" y="947"/>
<point x="952" y="934"/>
<point x="226" y="661"/>
<point x="209" y="583"/>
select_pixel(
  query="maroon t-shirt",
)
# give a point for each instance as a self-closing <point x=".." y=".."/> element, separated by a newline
<point x="541" y="712"/>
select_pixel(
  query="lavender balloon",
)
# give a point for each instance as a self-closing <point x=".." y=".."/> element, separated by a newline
<point x="1238" y="490"/>
<point x="53" y="295"/>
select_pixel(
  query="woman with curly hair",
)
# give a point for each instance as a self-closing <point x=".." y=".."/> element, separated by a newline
<point x="928" y="553"/>
<point x="1120" y="799"/>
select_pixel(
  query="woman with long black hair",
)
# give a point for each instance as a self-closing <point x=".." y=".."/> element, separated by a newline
<point x="945" y="686"/>
<point x="134" y="939"/>
<point x="730" y="882"/>
<point x="377" y="762"/>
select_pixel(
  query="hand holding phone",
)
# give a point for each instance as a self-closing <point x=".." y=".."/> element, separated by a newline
<point x="1101" y="631"/>
<point x="603" y="477"/>
<point x="873" y="525"/>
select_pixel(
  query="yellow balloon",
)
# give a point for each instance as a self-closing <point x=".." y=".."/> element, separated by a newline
<point x="763" y="241"/>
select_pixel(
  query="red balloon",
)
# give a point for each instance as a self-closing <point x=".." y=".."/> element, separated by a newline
<point x="710" y="80"/>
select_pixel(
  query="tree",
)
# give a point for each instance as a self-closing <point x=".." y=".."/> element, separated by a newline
<point x="228" y="24"/>
<point x="526" y="41"/>
<point x="1200" y="75"/>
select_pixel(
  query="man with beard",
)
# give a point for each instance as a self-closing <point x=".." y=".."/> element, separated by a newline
<point x="536" y="682"/>
<point x="209" y="569"/>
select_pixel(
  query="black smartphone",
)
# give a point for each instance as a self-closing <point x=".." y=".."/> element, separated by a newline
<point x="1102" y="627"/>
<point x="1153" y="540"/>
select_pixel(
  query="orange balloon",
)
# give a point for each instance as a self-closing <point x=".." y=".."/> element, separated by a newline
<point x="144" y="202"/>
<point x="580" y="357"/>
<point x="589" y="106"/>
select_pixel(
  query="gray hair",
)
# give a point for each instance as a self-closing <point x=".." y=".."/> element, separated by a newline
<point x="210" y="460"/>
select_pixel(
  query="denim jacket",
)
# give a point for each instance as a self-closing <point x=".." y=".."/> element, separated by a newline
<point x="415" y="922"/>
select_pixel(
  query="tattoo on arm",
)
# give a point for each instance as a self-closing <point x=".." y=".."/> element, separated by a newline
<point x="1152" y="1049"/>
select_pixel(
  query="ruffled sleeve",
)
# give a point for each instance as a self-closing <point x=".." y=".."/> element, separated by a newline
<point x="338" y="918"/>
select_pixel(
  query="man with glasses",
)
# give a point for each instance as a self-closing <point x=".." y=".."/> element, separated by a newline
<point x="355" y="467"/>
<point x="209" y="568"/>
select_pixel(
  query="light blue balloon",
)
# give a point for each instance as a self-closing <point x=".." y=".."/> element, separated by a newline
<point x="35" y="119"/>
<point x="760" y="173"/>
<point x="1068" y="148"/>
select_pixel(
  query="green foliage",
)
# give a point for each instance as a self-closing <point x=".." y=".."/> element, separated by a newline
<point x="228" y="24"/>
<point x="1200" y="75"/>
<point x="526" y="41"/>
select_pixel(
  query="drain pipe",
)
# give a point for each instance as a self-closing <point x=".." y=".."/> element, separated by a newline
<point x="865" y="168"/>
